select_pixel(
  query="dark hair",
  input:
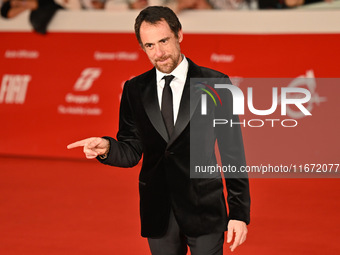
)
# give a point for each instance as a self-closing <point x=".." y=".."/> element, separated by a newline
<point x="155" y="14"/>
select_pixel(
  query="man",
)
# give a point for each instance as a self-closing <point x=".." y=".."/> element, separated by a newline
<point x="176" y="211"/>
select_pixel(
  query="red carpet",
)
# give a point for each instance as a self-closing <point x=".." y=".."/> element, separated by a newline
<point x="83" y="207"/>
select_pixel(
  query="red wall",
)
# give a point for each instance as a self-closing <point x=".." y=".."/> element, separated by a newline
<point x="59" y="88"/>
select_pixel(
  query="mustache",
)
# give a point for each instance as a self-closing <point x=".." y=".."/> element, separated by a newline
<point x="162" y="58"/>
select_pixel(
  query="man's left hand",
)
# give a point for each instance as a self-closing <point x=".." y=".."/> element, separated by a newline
<point x="240" y="230"/>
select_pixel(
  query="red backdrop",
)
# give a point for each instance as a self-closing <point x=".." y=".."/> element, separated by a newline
<point x="62" y="87"/>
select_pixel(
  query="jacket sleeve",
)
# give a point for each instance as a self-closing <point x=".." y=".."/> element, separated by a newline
<point x="126" y="150"/>
<point x="231" y="149"/>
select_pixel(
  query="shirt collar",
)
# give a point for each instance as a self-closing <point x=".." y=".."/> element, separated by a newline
<point x="180" y="72"/>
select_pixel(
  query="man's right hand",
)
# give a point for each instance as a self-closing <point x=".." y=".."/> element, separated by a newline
<point x="92" y="147"/>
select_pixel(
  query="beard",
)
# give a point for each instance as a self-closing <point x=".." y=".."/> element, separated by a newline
<point x="172" y="62"/>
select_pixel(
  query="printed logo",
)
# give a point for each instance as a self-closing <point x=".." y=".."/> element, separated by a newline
<point x="119" y="56"/>
<point x="204" y="87"/>
<point x="222" y="58"/>
<point x="83" y="103"/>
<point x="284" y="100"/>
<point x="86" y="79"/>
<point x="308" y="80"/>
<point x="238" y="100"/>
<point x="14" y="88"/>
<point x="28" y="54"/>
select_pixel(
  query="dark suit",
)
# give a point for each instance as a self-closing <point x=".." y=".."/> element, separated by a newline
<point x="164" y="181"/>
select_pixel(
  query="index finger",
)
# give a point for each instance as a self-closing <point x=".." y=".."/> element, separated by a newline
<point x="77" y="144"/>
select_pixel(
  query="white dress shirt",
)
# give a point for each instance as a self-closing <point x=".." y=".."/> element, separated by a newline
<point x="177" y="85"/>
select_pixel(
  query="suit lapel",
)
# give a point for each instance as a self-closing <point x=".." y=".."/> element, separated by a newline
<point x="188" y="104"/>
<point x="151" y="104"/>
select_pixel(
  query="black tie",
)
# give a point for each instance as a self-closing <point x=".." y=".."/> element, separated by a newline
<point x="167" y="105"/>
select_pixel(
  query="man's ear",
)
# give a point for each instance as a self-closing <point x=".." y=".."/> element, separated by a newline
<point x="180" y="36"/>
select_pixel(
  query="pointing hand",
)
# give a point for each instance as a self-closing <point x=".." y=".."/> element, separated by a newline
<point x="92" y="147"/>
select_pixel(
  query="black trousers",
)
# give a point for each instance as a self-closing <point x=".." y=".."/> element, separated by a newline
<point x="176" y="243"/>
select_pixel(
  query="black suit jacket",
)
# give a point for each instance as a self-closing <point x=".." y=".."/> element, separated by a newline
<point x="164" y="180"/>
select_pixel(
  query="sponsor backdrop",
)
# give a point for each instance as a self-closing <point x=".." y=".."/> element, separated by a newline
<point x="59" y="88"/>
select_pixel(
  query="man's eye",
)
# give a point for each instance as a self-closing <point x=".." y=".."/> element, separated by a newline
<point x="164" y="40"/>
<point x="148" y="46"/>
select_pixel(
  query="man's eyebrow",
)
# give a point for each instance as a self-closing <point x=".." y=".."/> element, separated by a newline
<point x="164" y="39"/>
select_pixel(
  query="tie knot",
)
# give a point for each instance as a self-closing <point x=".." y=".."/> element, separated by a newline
<point x="168" y="79"/>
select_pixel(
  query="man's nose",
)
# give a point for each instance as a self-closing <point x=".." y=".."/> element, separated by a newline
<point x="159" y="50"/>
